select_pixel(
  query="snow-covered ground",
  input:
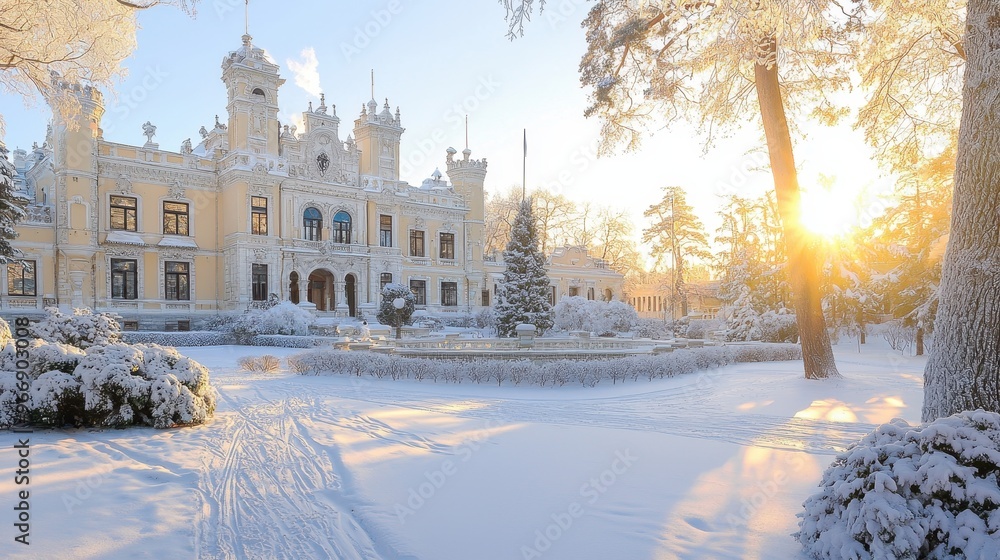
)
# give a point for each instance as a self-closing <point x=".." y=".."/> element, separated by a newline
<point x="710" y="465"/>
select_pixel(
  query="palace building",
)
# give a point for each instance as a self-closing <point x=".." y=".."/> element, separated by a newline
<point x="165" y="238"/>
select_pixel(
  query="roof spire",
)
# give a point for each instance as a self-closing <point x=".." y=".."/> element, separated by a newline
<point x="373" y="79"/>
<point x="466" y="131"/>
<point x="246" y="24"/>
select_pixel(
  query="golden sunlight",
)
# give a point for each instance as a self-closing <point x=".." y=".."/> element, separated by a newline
<point x="826" y="213"/>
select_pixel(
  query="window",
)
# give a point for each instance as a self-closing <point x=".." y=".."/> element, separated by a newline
<point x="177" y="281"/>
<point x="342" y="227"/>
<point x="312" y="222"/>
<point x="447" y="245"/>
<point x="384" y="279"/>
<point x="175" y="218"/>
<point x="123" y="213"/>
<point x="574" y="292"/>
<point x="416" y="243"/>
<point x="590" y="293"/>
<point x="449" y="293"/>
<point x="124" y="279"/>
<point x="486" y="298"/>
<point x="552" y="296"/>
<point x="384" y="231"/>
<point x="21" y="278"/>
<point x="258" y="281"/>
<point x="419" y="289"/>
<point x="258" y="215"/>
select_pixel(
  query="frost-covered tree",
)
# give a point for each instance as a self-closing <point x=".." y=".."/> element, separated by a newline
<point x="963" y="372"/>
<point x="11" y="208"/>
<point x="76" y="40"/>
<point x="676" y="231"/>
<point x="387" y="312"/>
<point x="524" y="291"/>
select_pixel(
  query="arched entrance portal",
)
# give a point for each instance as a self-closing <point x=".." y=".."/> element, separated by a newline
<point x="321" y="290"/>
<point x="351" y="293"/>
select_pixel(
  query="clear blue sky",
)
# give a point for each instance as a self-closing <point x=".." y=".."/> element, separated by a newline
<point x="438" y="60"/>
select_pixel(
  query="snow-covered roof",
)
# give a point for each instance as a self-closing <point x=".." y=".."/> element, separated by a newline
<point x="124" y="237"/>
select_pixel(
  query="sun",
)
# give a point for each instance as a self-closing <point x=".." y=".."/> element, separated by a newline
<point x="826" y="213"/>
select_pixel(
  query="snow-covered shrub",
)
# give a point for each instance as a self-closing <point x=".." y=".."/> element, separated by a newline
<point x="265" y="364"/>
<point x="82" y="329"/>
<point x="42" y="356"/>
<point x="284" y="318"/>
<point x="576" y="313"/>
<point x="656" y="329"/>
<point x="9" y="413"/>
<point x="911" y="492"/>
<point x="56" y="400"/>
<point x="183" y="338"/>
<point x="5" y="333"/>
<point x="778" y="326"/>
<point x="486" y="318"/>
<point x="143" y="384"/>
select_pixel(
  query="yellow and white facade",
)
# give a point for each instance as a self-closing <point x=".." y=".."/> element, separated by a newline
<point x="254" y="209"/>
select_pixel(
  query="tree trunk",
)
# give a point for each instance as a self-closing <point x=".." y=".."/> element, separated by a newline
<point x="803" y="261"/>
<point x="920" y="341"/>
<point x="963" y="372"/>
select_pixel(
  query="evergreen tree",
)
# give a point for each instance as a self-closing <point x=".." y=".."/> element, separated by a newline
<point x="524" y="293"/>
<point x="676" y="231"/>
<point x="11" y="209"/>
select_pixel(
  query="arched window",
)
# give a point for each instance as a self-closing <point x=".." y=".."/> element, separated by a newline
<point x="257" y="91"/>
<point x="312" y="221"/>
<point x="342" y="227"/>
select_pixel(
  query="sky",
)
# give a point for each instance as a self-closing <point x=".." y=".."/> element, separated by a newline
<point x="439" y="61"/>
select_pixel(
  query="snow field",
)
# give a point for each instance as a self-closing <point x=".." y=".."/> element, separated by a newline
<point x="719" y="463"/>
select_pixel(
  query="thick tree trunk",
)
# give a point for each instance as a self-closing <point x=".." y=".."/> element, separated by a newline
<point x="963" y="372"/>
<point x="803" y="262"/>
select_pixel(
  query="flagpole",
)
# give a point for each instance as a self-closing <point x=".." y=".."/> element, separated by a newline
<point x="524" y="166"/>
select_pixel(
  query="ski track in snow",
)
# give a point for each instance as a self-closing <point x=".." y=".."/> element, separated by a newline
<point x="269" y="491"/>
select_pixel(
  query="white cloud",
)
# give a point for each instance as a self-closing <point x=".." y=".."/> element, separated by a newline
<point x="306" y="71"/>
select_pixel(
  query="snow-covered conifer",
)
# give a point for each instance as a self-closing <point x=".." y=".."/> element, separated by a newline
<point x="524" y="290"/>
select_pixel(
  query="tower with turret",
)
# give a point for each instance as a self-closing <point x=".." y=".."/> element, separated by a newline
<point x="377" y="135"/>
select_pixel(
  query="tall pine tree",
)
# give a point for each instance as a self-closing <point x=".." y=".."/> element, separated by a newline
<point x="525" y="287"/>
<point x="11" y="209"/>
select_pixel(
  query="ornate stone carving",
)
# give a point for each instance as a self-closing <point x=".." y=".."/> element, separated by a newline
<point x="176" y="190"/>
<point x="123" y="185"/>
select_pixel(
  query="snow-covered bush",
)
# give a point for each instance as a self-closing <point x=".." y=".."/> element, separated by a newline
<point x="265" y="364"/>
<point x="282" y="318"/>
<point x="182" y="338"/>
<point x="927" y="491"/>
<point x="56" y="399"/>
<point x="329" y="361"/>
<point x="576" y="313"/>
<point x="778" y="326"/>
<point x="82" y="329"/>
<point x="656" y="329"/>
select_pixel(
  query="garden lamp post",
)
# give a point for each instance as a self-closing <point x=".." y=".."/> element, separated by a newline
<point x="398" y="304"/>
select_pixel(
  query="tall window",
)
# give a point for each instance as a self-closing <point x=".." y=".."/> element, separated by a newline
<point x="552" y="295"/>
<point x="590" y="293"/>
<point x="419" y="289"/>
<point x="258" y="281"/>
<point x="175" y="218"/>
<point x="449" y="293"/>
<point x="123" y="213"/>
<point x="447" y="245"/>
<point x="124" y="279"/>
<point x="177" y="281"/>
<point x="258" y="215"/>
<point x="312" y="222"/>
<point x="486" y="298"/>
<point x="21" y="278"/>
<point x="342" y="227"/>
<point x="416" y="243"/>
<point x="384" y="279"/>
<point x="384" y="231"/>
